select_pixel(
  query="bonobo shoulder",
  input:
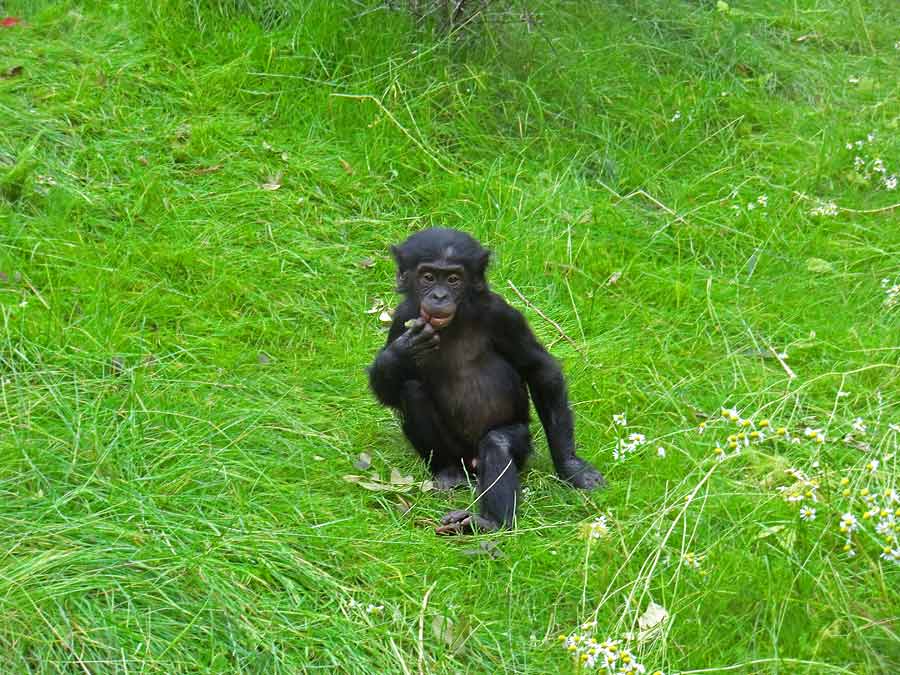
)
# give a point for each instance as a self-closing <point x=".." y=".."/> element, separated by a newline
<point x="504" y="314"/>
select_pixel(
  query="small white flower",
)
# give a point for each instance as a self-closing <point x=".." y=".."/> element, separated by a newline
<point x="870" y="136"/>
<point x="599" y="528"/>
<point x="853" y="79"/>
<point x="637" y="439"/>
<point x="661" y="451"/>
<point x="879" y="166"/>
<point x="620" y="420"/>
<point x="859" y="426"/>
<point x="890" y="182"/>
<point x="891" y="555"/>
<point x="762" y="200"/>
<point x="849" y="523"/>
<point x="807" y="513"/>
<point x="872" y="466"/>
<point x="849" y="146"/>
<point x="374" y="609"/>
<point x="676" y="116"/>
<point x="751" y="206"/>
<point x="895" y="428"/>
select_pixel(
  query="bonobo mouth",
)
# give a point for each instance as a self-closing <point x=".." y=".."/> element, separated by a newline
<point x="437" y="321"/>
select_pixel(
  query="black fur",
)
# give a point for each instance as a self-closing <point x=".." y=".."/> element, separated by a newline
<point x="462" y="389"/>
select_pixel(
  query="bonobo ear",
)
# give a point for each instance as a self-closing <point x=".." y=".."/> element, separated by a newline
<point x="481" y="263"/>
<point x="397" y="252"/>
<point x="402" y="275"/>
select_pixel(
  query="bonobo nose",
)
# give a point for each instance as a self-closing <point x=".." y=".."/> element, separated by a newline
<point x="440" y="296"/>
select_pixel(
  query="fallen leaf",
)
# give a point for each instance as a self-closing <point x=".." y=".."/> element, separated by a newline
<point x="403" y="506"/>
<point x="364" y="461"/>
<point x="142" y="160"/>
<point x="366" y="263"/>
<point x="613" y="278"/>
<point x="487" y="548"/>
<point x="377" y="306"/>
<point x="347" y="167"/>
<point x="819" y="266"/>
<point x="454" y="636"/>
<point x="263" y="358"/>
<point x="203" y="170"/>
<point x="769" y="531"/>
<point x="273" y="183"/>
<point x="427" y="486"/>
<point x="385" y="317"/>
<point x="10" y="73"/>
<point x="652" y="617"/>
<point x="398" y="478"/>
<point x="284" y="157"/>
<point x="4" y="278"/>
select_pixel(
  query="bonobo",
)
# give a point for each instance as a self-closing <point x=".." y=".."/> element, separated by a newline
<point x="458" y="365"/>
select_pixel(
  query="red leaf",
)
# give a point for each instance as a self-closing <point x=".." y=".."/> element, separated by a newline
<point x="10" y="21"/>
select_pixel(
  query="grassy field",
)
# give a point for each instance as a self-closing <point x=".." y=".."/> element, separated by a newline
<point x="196" y="200"/>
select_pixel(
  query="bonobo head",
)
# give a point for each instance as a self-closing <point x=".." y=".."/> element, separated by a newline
<point x="441" y="269"/>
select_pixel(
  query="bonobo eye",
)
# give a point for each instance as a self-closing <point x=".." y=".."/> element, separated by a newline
<point x="454" y="280"/>
<point x="428" y="278"/>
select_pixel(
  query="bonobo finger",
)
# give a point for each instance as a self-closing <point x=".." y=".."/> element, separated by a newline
<point x="415" y="325"/>
<point x="455" y="516"/>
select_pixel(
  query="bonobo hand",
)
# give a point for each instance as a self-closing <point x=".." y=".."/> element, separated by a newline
<point x="578" y="473"/>
<point x="417" y="342"/>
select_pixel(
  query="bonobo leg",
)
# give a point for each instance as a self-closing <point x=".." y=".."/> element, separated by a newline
<point x="431" y="439"/>
<point x="501" y="453"/>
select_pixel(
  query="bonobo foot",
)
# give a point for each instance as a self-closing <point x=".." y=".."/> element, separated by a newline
<point x="465" y="522"/>
<point x="578" y="473"/>
<point x="450" y="477"/>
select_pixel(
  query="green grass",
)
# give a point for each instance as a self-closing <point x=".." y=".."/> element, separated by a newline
<point x="183" y="352"/>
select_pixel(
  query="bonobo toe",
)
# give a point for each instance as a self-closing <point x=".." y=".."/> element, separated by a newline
<point x="582" y="475"/>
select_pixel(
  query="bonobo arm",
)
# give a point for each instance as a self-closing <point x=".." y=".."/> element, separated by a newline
<point x="395" y="363"/>
<point x="514" y="339"/>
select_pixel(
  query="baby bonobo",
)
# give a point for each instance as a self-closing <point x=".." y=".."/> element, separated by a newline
<point x="458" y="365"/>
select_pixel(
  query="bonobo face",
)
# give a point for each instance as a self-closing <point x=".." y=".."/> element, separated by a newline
<point x="440" y="288"/>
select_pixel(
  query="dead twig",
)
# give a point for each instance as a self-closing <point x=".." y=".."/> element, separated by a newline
<point x="790" y="373"/>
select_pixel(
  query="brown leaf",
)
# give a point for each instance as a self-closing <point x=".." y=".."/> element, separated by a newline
<point x="346" y="165"/>
<point x="142" y="160"/>
<point x="203" y="170"/>
<point x="10" y="73"/>
<point x="366" y="263"/>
